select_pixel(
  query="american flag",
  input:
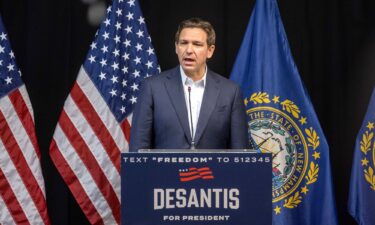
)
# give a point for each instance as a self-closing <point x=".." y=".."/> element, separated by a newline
<point x="22" y="192"/>
<point x="194" y="173"/>
<point x="94" y="126"/>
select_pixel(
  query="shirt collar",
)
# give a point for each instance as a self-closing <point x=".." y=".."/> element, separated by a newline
<point x="188" y="81"/>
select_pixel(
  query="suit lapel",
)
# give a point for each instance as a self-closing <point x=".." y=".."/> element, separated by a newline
<point x="211" y="93"/>
<point x="173" y="85"/>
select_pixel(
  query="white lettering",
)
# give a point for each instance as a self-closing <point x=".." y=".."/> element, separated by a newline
<point x="180" y="198"/>
<point x="206" y="198"/>
<point x="193" y="199"/>
<point x="234" y="202"/>
<point x="169" y="198"/>
<point x="217" y="192"/>
<point x="196" y="198"/>
<point x="158" y="199"/>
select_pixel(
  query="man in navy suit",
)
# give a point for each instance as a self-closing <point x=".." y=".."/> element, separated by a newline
<point x="190" y="106"/>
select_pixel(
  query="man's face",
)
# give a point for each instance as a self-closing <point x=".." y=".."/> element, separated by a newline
<point x="192" y="51"/>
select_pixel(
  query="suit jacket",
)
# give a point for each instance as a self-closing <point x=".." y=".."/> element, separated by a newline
<point x="160" y="118"/>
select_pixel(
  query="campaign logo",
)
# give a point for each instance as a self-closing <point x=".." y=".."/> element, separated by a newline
<point x="279" y="126"/>
<point x="194" y="173"/>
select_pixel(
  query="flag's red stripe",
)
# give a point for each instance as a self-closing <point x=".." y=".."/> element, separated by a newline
<point x="184" y="174"/>
<point x="74" y="185"/>
<point x="11" y="201"/>
<point x="203" y="169"/>
<point x="125" y="126"/>
<point x="208" y="177"/>
<point x="24" y="114"/>
<point x="97" y="125"/>
<point x="184" y="179"/>
<point x="205" y="173"/>
<point x="23" y="169"/>
<point x="199" y="169"/>
<point x="92" y="165"/>
<point x="193" y="171"/>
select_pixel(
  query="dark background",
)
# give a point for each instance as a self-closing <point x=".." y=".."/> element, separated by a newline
<point x="332" y="41"/>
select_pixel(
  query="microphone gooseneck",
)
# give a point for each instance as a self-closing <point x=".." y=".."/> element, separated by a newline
<point x="192" y="145"/>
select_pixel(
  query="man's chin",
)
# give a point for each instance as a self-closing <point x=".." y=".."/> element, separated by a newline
<point x="188" y="69"/>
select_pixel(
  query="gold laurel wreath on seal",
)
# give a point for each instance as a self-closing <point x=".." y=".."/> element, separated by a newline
<point x="312" y="139"/>
<point x="259" y="98"/>
<point x="291" y="108"/>
<point x="365" y="147"/>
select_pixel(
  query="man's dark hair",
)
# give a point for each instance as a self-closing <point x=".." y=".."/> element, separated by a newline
<point x="197" y="23"/>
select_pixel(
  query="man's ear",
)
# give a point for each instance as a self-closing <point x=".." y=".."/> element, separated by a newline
<point x="210" y="52"/>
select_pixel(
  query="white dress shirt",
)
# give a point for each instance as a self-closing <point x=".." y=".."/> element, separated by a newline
<point x="196" y="96"/>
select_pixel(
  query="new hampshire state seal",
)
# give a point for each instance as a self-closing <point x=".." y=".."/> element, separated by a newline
<point x="367" y="148"/>
<point x="278" y="126"/>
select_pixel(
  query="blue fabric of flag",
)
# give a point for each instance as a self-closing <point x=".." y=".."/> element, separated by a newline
<point x="282" y="121"/>
<point x="121" y="56"/>
<point x="10" y="75"/>
<point x="362" y="183"/>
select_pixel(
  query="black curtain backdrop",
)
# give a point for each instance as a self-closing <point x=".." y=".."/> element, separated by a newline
<point x="332" y="41"/>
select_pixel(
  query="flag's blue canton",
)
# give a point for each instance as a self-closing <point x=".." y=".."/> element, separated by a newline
<point x="121" y="56"/>
<point x="10" y="75"/>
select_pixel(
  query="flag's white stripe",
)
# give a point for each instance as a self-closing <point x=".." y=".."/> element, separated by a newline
<point x="26" y="98"/>
<point x="102" y="109"/>
<point x="22" y="139"/>
<point x="91" y="140"/>
<point x="18" y="187"/>
<point x="81" y="172"/>
<point x="130" y="118"/>
<point x="5" y="216"/>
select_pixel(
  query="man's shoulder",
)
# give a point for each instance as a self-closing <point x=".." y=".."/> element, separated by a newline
<point x="163" y="75"/>
<point x="222" y="80"/>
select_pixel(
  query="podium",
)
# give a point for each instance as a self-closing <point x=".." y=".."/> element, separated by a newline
<point x="175" y="187"/>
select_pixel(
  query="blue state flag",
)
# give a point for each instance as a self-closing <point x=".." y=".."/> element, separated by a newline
<point x="282" y="121"/>
<point x="362" y="183"/>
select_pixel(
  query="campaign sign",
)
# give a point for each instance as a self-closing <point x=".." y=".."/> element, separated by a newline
<point x="196" y="188"/>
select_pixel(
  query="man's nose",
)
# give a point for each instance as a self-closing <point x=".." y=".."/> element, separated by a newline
<point x="189" y="48"/>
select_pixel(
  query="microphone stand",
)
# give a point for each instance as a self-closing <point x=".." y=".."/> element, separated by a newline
<point x="192" y="146"/>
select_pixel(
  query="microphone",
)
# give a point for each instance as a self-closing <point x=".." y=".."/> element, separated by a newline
<point x="192" y="146"/>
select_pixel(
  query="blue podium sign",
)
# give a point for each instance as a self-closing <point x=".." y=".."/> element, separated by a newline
<point x="196" y="188"/>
